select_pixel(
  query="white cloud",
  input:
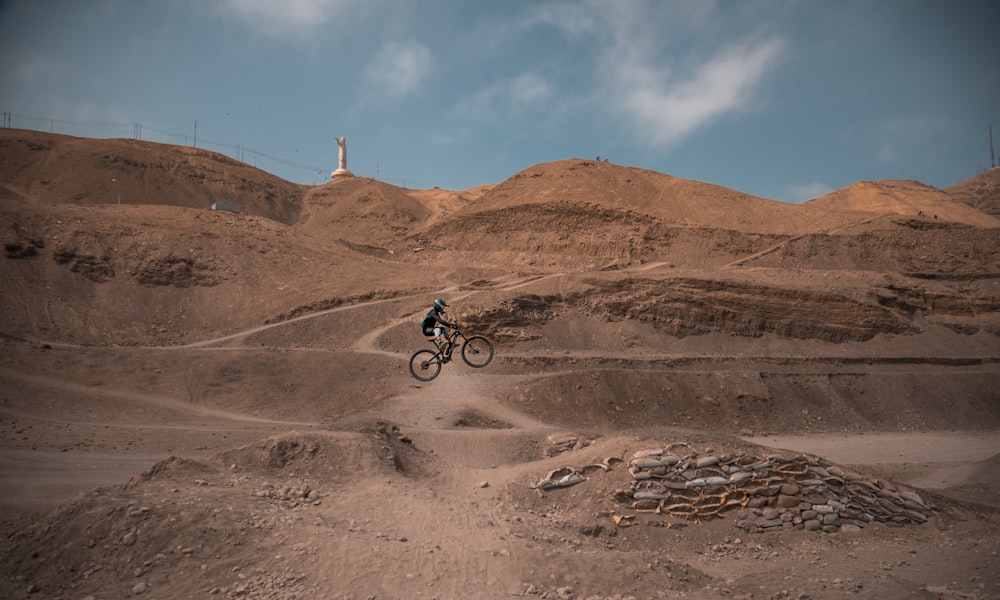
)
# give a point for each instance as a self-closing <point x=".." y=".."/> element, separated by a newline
<point x="398" y="68"/>
<point x="574" y="19"/>
<point x="285" y="16"/>
<point x="528" y="89"/>
<point x="591" y="19"/>
<point x="667" y="68"/>
<point x="524" y="92"/>
<point x="668" y="106"/>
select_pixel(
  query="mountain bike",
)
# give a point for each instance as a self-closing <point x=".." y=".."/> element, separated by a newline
<point x="477" y="352"/>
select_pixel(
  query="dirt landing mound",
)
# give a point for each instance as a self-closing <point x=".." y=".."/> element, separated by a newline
<point x="298" y="516"/>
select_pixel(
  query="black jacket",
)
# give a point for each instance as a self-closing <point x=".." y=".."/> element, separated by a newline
<point x="431" y="320"/>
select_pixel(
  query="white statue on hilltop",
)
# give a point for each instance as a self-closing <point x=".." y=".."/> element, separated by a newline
<point x="342" y="160"/>
<point x="342" y="155"/>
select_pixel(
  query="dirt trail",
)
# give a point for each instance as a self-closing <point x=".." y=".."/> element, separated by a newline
<point x="303" y="461"/>
<point x="137" y="401"/>
<point x="890" y="447"/>
<point x="933" y="460"/>
<point x="458" y="415"/>
<point x="441" y="403"/>
<point x="237" y="339"/>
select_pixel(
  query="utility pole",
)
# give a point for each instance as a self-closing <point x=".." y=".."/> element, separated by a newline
<point x="195" y="145"/>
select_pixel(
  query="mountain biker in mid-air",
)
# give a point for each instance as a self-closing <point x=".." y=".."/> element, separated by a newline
<point x="434" y="325"/>
<point x="425" y="364"/>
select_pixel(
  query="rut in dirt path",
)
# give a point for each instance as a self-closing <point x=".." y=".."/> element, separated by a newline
<point x="141" y="399"/>
<point x="456" y="400"/>
<point x="365" y="344"/>
<point x="739" y="262"/>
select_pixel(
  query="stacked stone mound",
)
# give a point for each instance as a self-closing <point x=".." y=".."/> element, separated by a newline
<point x="768" y="492"/>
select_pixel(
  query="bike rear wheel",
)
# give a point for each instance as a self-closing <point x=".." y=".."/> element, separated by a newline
<point x="425" y="365"/>
<point x="477" y="352"/>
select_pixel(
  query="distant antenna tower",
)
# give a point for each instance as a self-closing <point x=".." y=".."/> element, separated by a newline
<point x="992" y="160"/>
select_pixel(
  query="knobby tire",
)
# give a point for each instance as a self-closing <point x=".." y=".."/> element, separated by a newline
<point x="477" y="352"/>
<point x="424" y="365"/>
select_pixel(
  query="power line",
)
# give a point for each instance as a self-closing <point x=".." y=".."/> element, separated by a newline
<point x="239" y="150"/>
<point x="138" y="131"/>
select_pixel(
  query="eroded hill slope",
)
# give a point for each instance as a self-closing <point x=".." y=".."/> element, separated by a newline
<point x="981" y="192"/>
<point x="50" y="168"/>
<point x="903" y="198"/>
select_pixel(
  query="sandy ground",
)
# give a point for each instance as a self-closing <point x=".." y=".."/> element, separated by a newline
<point x="425" y="493"/>
<point x="696" y="393"/>
<point x="34" y="480"/>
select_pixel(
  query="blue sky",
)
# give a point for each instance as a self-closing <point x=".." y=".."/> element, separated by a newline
<point x="782" y="99"/>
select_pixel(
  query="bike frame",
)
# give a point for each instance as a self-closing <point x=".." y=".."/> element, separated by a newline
<point x="450" y="339"/>
<point x="480" y="356"/>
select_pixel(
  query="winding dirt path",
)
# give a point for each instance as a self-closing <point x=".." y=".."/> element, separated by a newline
<point x="457" y="417"/>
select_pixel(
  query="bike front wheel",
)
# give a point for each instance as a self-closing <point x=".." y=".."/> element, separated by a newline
<point x="424" y="365"/>
<point x="477" y="352"/>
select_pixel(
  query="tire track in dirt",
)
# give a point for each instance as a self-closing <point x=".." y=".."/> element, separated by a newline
<point x="365" y="343"/>
<point x="152" y="400"/>
<point x="439" y="404"/>
<point x="431" y="410"/>
<point x="739" y="262"/>
<point x="431" y="413"/>
<point x="236" y="339"/>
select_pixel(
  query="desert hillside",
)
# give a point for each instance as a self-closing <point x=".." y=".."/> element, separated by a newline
<point x="906" y="198"/>
<point x="981" y="192"/>
<point x="58" y="169"/>
<point x="693" y="392"/>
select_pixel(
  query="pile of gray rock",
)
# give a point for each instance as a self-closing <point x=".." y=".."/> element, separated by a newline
<point x="768" y="492"/>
